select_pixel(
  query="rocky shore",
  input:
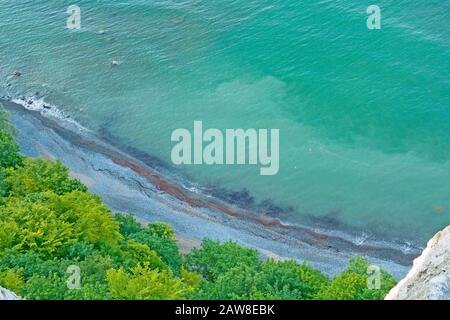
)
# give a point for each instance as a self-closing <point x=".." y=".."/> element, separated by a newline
<point x="127" y="184"/>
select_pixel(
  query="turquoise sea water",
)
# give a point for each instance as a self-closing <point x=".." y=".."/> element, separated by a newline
<point x="364" y="115"/>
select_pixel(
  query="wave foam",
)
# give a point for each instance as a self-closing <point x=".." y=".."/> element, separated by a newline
<point x="46" y="109"/>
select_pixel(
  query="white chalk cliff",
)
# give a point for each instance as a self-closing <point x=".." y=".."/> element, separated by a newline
<point x="5" y="294"/>
<point x="429" y="278"/>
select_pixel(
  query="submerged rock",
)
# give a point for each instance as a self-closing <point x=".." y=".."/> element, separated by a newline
<point x="5" y="294"/>
<point x="429" y="278"/>
<point x="178" y="20"/>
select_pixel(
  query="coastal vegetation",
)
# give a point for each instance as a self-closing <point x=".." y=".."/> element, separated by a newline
<point x="52" y="230"/>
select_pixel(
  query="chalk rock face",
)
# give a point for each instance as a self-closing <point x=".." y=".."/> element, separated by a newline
<point x="5" y="294"/>
<point x="429" y="278"/>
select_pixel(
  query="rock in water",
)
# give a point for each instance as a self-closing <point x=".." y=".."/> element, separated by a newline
<point x="5" y="294"/>
<point x="429" y="278"/>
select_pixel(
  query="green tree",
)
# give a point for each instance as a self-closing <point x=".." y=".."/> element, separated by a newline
<point x="213" y="259"/>
<point x="239" y="282"/>
<point x="135" y="253"/>
<point x="39" y="175"/>
<point x="128" y="224"/>
<point x="51" y="287"/>
<point x="161" y="230"/>
<point x="145" y="284"/>
<point x="346" y="286"/>
<point x="31" y="263"/>
<point x="90" y="290"/>
<point x="80" y="251"/>
<point x="89" y="217"/>
<point x="352" y="284"/>
<point x="34" y="227"/>
<point x="5" y="123"/>
<point x="313" y="279"/>
<point x="157" y="236"/>
<point x="9" y="151"/>
<point x="269" y="280"/>
<point x="288" y="280"/>
<point x="167" y="249"/>
<point x="12" y="280"/>
<point x="9" y="233"/>
<point x="191" y="279"/>
<point x="4" y="189"/>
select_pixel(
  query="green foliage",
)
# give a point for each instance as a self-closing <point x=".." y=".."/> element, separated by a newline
<point x="268" y="280"/>
<point x="213" y="259"/>
<point x="47" y="279"/>
<point x="238" y="282"/>
<point x="167" y="249"/>
<point x="288" y="280"/>
<point x="53" y="223"/>
<point x="33" y="227"/>
<point x="89" y="291"/>
<point x="31" y="263"/>
<point x="10" y="156"/>
<point x="144" y="283"/>
<point x="51" y="287"/>
<point x="346" y="286"/>
<point x="12" y="280"/>
<point x="94" y="268"/>
<point x="313" y="279"/>
<point x="161" y="230"/>
<point x="39" y="175"/>
<point x="128" y="224"/>
<point x="191" y="279"/>
<point x="353" y="284"/>
<point x="135" y="253"/>
<point x="5" y="124"/>
<point x="80" y="251"/>
<point x="9" y="151"/>
<point x="157" y="236"/>
<point x="89" y="217"/>
<point x="3" y="186"/>
<point x="9" y="230"/>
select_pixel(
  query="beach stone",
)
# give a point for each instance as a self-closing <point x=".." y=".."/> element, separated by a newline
<point x="5" y="294"/>
<point x="429" y="278"/>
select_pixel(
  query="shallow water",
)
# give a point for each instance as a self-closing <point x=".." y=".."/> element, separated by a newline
<point x="363" y="114"/>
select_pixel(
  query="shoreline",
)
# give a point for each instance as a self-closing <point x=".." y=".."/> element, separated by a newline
<point x="127" y="184"/>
